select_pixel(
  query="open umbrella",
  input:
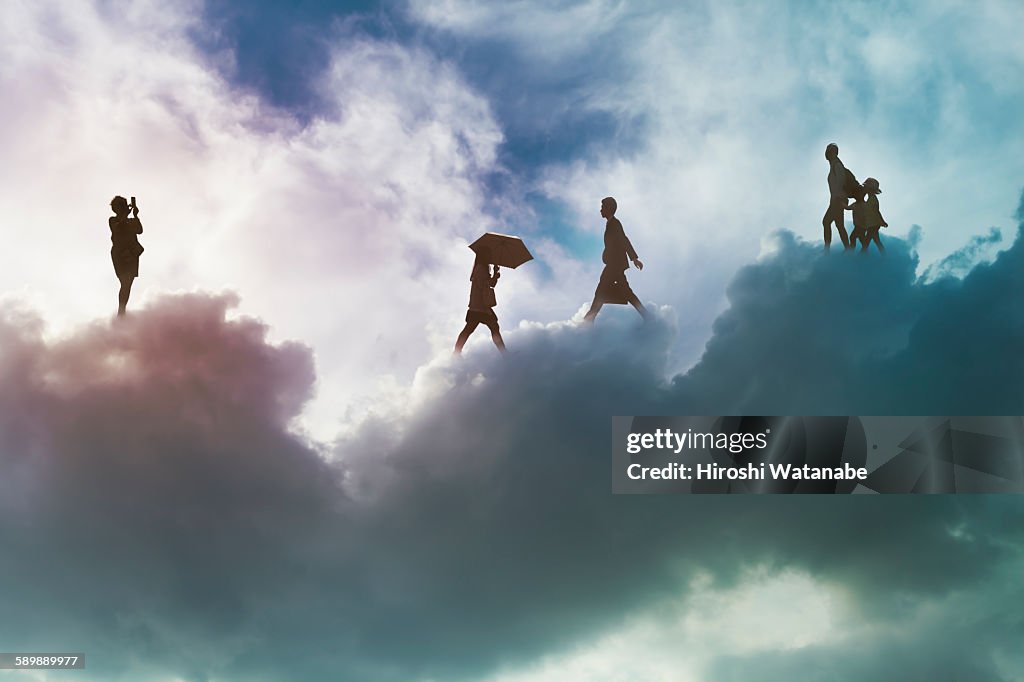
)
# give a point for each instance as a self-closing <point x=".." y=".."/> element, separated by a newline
<point x="505" y="250"/>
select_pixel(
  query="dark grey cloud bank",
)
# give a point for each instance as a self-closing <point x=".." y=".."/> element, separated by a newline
<point x="859" y="334"/>
<point x="156" y="513"/>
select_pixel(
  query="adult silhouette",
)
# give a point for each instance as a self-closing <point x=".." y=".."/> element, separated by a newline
<point x="618" y="251"/>
<point x="482" y="301"/>
<point x="125" y="248"/>
<point x="837" y="197"/>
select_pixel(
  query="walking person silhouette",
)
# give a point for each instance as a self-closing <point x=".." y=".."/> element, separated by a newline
<point x="125" y="248"/>
<point x="482" y="301"/>
<point x="618" y="251"/>
<point x="867" y="218"/>
<point x="837" y="197"/>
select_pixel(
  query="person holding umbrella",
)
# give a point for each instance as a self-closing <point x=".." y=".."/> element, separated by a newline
<point x="613" y="287"/>
<point x="491" y="249"/>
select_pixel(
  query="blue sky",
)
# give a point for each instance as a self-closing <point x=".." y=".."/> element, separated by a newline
<point x="277" y="457"/>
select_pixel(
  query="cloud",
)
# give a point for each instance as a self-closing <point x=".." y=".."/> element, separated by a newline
<point x="862" y="334"/>
<point x="355" y="218"/>
<point x="962" y="261"/>
<point x="560" y="29"/>
<point x="147" y="470"/>
<point x="926" y="642"/>
<point x="672" y="640"/>
<point x="160" y="515"/>
<point x="354" y="214"/>
<point x="708" y="122"/>
<point x="157" y="509"/>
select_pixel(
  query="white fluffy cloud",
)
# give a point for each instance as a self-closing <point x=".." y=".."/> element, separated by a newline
<point x="677" y="640"/>
<point x="735" y="103"/>
<point x="464" y="528"/>
<point x="347" y="231"/>
<point x="153" y="495"/>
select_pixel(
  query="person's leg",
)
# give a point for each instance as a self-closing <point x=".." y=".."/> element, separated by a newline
<point x="878" y="241"/>
<point x="606" y="281"/>
<point x="826" y="223"/>
<point x="633" y="299"/>
<point x="464" y="336"/>
<point x="639" y="306"/>
<point x="834" y="214"/>
<point x="838" y="214"/>
<point x="865" y="239"/>
<point x="124" y="293"/>
<point x="496" y="335"/>
<point x="857" y="234"/>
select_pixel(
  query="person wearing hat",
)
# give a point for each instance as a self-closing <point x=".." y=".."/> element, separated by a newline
<point x="867" y="217"/>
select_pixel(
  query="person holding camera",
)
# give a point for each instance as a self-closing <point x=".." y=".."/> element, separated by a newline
<point x="125" y="248"/>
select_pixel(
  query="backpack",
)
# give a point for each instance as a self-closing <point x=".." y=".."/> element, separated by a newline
<point x="853" y="189"/>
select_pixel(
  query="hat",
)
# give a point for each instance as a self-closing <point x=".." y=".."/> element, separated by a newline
<point x="871" y="185"/>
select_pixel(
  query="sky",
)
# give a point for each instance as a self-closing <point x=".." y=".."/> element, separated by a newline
<point x="273" y="469"/>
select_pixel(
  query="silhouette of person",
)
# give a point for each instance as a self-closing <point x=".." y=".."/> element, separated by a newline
<point x="125" y="248"/>
<point x="481" y="301"/>
<point x="867" y="218"/>
<point x="618" y="251"/>
<point x="837" y="197"/>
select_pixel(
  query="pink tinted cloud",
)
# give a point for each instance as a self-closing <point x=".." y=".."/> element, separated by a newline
<point x="153" y="495"/>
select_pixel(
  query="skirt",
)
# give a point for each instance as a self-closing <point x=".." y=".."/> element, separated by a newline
<point x="481" y="317"/>
<point x="125" y="264"/>
<point x="613" y="287"/>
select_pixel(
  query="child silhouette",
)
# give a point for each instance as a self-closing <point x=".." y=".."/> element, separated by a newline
<point x="867" y="218"/>
<point x="482" y="301"/>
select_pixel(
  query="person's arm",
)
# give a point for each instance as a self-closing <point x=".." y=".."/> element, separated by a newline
<point x="630" y="251"/>
<point x="629" y="248"/>
<point x="495" y="276"/>
<point x="135" y="222"/>
<point x="632" y="254"/>
<point x="878" y="211"/>
<point x="837" y="174"/>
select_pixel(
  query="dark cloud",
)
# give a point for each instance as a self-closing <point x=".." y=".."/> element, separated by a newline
<point x="862" y="334"/>
<point x="280" y="49"/>
<point x="149" y="482"/>
<point x="158" y="514"/>
<point x="943" y="648"/>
